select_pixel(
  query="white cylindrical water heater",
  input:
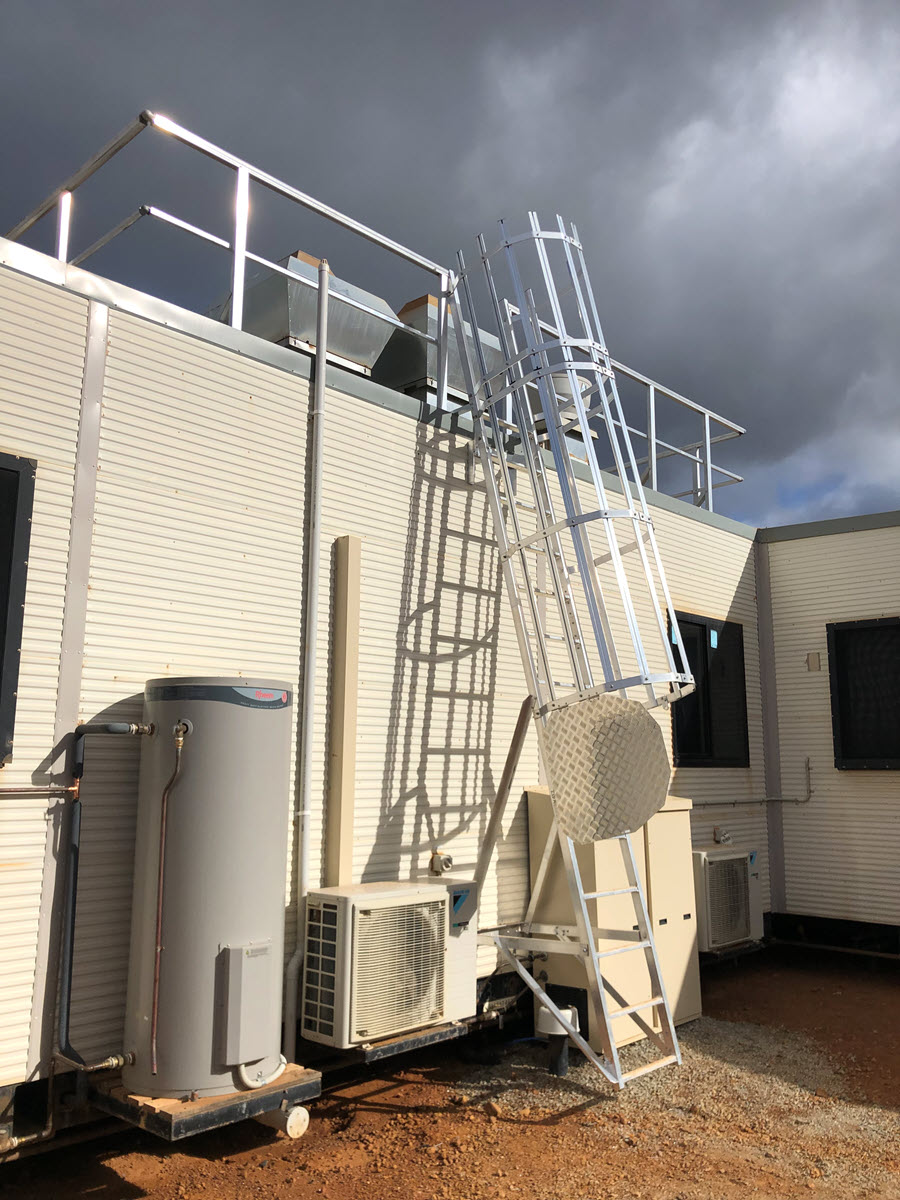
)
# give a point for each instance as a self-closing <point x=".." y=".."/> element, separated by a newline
<point x="203" y="1013"/>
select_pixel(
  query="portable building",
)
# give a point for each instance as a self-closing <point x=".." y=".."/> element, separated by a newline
<point x="167" y="539"/>
<point x="155" y="480"/>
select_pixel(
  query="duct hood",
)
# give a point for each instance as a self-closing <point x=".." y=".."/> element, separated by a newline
<point x="409" y="363"/>
<point x="280" y="310"/>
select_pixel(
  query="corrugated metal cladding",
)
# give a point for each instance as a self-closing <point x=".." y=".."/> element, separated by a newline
<point x="196" y="568"/>
<point x="42" y="346"/>
<point x="711" y="573"/>
<point x="841" y="849"/>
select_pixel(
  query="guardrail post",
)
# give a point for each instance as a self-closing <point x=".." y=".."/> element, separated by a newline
<point x="443" y="340"/>
<point x="63" y="221"/>
<point x="651" y="436"/>
<point x="241" y="218"/>
<point x="707" y="462"/>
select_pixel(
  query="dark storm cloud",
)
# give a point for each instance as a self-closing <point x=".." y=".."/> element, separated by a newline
<point x="733" y="170"/>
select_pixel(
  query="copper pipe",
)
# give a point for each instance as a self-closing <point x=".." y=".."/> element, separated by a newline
<point x="180" y="730"/>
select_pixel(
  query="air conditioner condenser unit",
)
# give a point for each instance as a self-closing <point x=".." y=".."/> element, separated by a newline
<point x="387" y="958"/>
<point x="728" y="896"/>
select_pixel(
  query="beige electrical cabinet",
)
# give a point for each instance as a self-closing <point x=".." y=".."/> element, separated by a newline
<point x="663" y="852"/>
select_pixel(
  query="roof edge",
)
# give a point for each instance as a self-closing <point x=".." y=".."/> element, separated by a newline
<point x="36" y="265"/>
<point x="811" y="529"/>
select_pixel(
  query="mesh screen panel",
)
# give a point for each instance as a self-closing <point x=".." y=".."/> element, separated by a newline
<point x="729" y="908"/>
<point x="399" y="967"/>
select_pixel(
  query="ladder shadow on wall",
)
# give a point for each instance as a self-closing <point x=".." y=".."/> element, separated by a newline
<point x="438" y="779"/>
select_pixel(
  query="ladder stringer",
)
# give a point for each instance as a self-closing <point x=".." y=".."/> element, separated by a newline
<point x="603" y="1065"/>
<point x="581" y="940"/>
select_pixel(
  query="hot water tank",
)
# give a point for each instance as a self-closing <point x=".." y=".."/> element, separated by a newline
<point x="203" y="1012"/>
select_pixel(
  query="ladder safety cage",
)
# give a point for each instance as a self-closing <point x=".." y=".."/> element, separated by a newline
<point x="543" y="416"/>
<point x="548" y="412"/>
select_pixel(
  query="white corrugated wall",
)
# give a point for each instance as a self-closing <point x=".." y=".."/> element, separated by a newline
<point x="711" y="573"/>
<point x="841" y="849"/>
<point x="196" y="569"/>
<point x="42" y="347"/>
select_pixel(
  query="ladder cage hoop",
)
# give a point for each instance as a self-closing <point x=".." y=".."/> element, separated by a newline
<point x="559" y="384"/>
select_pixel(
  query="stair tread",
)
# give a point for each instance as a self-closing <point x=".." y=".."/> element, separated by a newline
<point x="653" y="1066"/>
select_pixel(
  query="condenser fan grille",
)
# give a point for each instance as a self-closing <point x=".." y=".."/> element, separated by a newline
<point x="399" y="967"/>
<point x="729" y="908"/>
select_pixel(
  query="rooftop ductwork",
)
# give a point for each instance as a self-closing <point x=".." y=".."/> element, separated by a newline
<point x="409" y="363"/>
<point x="279" y="310"/>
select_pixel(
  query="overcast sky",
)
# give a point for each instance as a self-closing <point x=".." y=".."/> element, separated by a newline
<point x="732" y="168"/>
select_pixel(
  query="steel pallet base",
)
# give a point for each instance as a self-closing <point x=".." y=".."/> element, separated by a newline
<point x="176" y="1119"/>
<point x="375" y="1051"/>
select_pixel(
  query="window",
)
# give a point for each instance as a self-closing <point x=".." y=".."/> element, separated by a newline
<point x="863" y="664"/>
<point x="709" y="727"/>
<point x="16" y="500"/>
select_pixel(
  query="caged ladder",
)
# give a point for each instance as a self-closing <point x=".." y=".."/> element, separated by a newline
<point x="545" y="409"/>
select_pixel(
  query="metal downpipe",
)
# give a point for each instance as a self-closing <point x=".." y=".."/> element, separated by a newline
<point x="310" y="625"/>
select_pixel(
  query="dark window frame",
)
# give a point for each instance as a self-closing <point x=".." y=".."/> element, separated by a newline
<point x="706" y="762"/>
<point x="26" y="470"/>
<point x="842" y="761"/>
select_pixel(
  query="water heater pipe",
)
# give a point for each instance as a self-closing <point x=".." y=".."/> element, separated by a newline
<point x="311" y="630"/>
<point x="178" y="732"/>
<point x="248" y="1081"/>
<point x="64" y="1048"/>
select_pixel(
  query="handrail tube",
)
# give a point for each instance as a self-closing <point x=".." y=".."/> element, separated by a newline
<point x="161" y="215"/>
<point x="667" y="447"/>
<point x="166" y="125"/>
<point x="630" y="373"/>
<point x="84" y="172"/>
<point x="150" y="210"/>
<point x="639" y="378"/>
<point x="130" y="220"/>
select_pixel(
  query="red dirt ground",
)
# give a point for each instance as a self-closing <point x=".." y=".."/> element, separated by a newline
<point x="400" y="1133"/>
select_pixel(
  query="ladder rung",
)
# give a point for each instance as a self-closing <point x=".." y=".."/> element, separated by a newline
<point x="554" y="637"/>
<point x="603" y="895"/>
<point x="659" y="1062"/>
<point x="622" y="949"/>
<point x="623" y="1012"/>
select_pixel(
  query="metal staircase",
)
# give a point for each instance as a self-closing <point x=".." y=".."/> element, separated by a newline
<point x="593" y="617"/>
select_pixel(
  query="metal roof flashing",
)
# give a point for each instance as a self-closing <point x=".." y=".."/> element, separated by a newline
<point x="827" y="528"/>
<point x="33" y="263"/>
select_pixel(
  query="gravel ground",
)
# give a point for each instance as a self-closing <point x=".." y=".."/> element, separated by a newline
<point x="769" y="1088"/>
